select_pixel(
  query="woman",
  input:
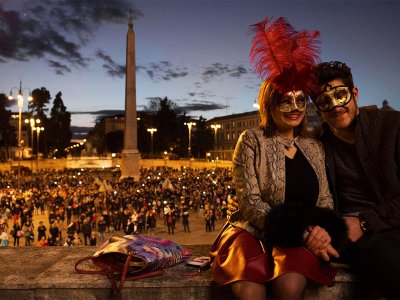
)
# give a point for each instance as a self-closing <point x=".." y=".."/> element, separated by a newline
<point x="273" y="165"/>
<point x="28" y="230"/>
<point x="77" y="241"/>
<point x="4" y="238"/>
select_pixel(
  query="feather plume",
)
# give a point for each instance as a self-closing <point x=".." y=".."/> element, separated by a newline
<point x="306" y="49"/>
<point x="271" y="48"/>
<point x="284" y="56"/>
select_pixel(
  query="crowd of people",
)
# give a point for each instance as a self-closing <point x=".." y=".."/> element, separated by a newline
<point x="83" y="205"/>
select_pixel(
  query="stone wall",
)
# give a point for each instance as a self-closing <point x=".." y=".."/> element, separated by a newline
<point x="103" y="162"/>
<point x="48" y="273"/>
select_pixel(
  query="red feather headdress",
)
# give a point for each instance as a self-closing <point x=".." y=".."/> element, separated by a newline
<point x="285" y="57"/>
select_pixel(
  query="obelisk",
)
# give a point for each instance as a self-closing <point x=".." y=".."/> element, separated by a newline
<point x="130" y="153"/>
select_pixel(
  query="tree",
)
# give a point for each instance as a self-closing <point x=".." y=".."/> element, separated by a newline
<point x="38" y="106"/>
<point x="41" y="98"/>
<point x="202" y="138"/>
<point x="166" y="114"/>
<point x="7" y="131"/>
<point x="96" y="137"/>
<point x="143" y="136"/>
<point x="115" y="141"/>
<point x="59" y="132"/>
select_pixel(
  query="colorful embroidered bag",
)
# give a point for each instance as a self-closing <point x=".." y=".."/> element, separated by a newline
<point x="133" y="257"/>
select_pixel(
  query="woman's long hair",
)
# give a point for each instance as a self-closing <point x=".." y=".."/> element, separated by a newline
<point x="267" y="99"/>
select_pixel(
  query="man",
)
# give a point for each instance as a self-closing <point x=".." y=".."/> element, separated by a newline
<point x="185" y="219"/>
<point x="362" y="148"/>
<point x="41" y="231"/>
<point x="86" y="230"/>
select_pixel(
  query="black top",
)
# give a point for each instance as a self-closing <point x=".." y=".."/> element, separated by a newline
<point x="353" y="191"/>
<point x="302" y="186"/>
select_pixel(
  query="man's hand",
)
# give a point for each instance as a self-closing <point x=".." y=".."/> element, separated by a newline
<point x="354" y="228"/>
<point x="233" y="206"/>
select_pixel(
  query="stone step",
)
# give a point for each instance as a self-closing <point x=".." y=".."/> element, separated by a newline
<point x="48" y="273"/>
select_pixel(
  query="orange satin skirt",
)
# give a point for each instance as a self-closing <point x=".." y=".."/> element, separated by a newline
<point x="238" y="255"/>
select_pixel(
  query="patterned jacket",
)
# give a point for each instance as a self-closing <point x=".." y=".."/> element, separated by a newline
<point x="259" y="176"/>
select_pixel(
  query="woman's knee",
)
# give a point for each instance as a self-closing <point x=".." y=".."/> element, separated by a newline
<point x="289" y="286"/>
<point x="249" y="290"/>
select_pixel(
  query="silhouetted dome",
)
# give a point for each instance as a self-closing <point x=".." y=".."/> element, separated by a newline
<point x="385" y="105"/>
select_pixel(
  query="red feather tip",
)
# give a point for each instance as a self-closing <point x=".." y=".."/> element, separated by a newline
<point x="284" y="56"/>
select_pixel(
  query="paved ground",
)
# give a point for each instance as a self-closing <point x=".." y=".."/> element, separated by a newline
<point x="197" y="236"/>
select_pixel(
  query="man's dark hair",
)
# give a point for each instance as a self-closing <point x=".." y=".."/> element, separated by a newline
<point x="328" y="71"/>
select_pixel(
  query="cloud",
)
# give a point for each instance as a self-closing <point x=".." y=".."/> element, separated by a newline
<point x="79" y="130"/>
<point x="204" y="94"/>
<point x="106" y="112"/>
<point x="238" y="72"/>
<point x="112" y="68"/>
<point x="57" y="30"/>
<point x="202" y="106"/>
<point x="163" y="70"/>
<point x="59" y="68"/>
<point x="196" y="105"/>
<point x="218" y="69"/>
<point x="197" y="84"/>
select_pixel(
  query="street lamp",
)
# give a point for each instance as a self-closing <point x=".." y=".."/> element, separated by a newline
<point x="32" y="122"/>
<point x="38" y="130"/>
<point x="20" y="99"/>
<point x="256" y="105"/>
<point x="165" y="158"/>
<point x="152" y="130"/>
<point x="215" y="127"/>
<point x="189" y="125"/>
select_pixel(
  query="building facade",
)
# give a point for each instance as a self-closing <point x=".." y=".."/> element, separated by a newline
<point x="227" y="130"/>
<point x="114" y="123"/>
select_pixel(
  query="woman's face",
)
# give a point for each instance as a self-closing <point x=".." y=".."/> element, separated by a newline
<point x="289" y="111"/>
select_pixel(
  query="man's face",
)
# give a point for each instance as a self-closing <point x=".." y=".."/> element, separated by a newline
<point x="340" y="117"/>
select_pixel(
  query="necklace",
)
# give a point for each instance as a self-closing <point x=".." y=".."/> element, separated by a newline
<point x="287" y="142"/>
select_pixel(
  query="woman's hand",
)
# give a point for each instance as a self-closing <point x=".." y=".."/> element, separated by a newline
<point x="316" y="238"/>
<point x="326" y="253"/>
<point x="318" y="241"/>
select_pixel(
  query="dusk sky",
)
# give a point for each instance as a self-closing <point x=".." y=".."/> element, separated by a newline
<point x="194" y="52"/>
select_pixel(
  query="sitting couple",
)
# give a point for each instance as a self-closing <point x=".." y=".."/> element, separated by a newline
<point x="287" y="226"/>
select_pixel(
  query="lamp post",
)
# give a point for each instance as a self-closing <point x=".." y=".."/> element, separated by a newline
<point x="20" y="99"/>
<point x="152" y="130"/>
<point x="189" y="125"/>
<point x="32" y="122"/>
<point x="38" y="130"/>
<point x="165" y="158"/>
<point x="256" y="105"/>
<point x="215" y="127"/>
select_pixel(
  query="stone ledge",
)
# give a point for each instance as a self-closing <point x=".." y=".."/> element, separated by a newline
<point x="48" y="273"/>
